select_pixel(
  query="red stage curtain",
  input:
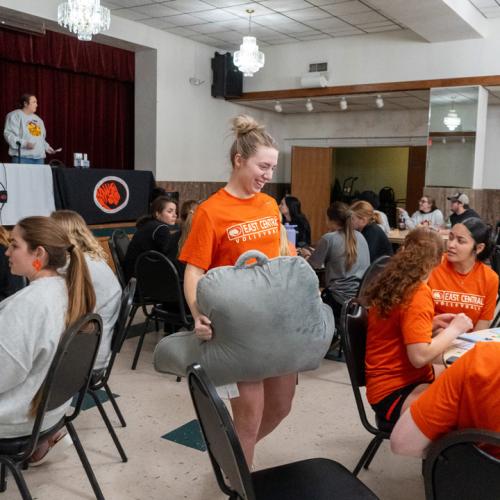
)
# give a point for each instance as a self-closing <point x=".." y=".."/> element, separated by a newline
<point x="85" y="94"/>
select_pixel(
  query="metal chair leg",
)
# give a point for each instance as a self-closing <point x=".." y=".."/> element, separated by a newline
<point x="109" y="426"/>
<point x="374" y="450"/>
<point x="3" y="476"/>
<point x="85" y="461"/>
<point x="18" y="476"/>
<point x="139" y="345"/>
<point x="366" y="454"/>
<point x="115" y="405"/>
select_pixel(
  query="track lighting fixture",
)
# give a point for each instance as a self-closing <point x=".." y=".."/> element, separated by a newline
<point x="309" y="105"/>
<point x="379" y="102"/>
<point x="278" y="107"/>
<point x="343" y="104"/>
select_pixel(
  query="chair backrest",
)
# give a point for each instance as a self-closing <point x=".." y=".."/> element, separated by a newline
<point x="158" y="281"/>
<point x="120" y="274"/>
<point x="127" y="302"/>
<point x="223" y="446"/>
<point x="354" y="323"/>
<point x="456" y="468"/>
<point x="371" y="274"/>
<point x="495" y="259"/>
<point x="121" y="242"/>
<point x="71" y="369"/>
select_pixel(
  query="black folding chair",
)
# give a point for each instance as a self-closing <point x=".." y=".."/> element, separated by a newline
<point x="456" y="468"/>
<point x="100" y="377"/>
<point x="118" y="244"/>
<point x="159" y="284"/>
<point x="371" y="274"/>
<point x="68" y="376"/>
<point x="314" y="479"/>
<point x="354" y="319"/>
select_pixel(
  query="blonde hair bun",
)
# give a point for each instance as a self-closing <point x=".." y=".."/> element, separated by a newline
<point x="244" y="124"/>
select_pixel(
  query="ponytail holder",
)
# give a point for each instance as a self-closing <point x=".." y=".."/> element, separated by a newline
<point x="71" y="248"/>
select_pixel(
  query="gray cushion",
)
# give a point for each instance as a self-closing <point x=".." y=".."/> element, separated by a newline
<point x="268" y="320"/>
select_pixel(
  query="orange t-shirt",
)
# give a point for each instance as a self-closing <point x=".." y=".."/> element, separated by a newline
<point x="388" y="367"/>
<point x="474" y="294"/>
<point x="225" y="226"/>
<point x="466" y="395"/>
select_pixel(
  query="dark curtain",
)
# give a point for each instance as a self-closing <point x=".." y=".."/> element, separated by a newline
<point x="85" y="94"/>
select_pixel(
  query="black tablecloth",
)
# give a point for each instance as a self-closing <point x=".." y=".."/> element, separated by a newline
<point x="101" y="196"/>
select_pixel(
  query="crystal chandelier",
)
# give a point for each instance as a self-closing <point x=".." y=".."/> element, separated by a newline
<point x="83" y="17"/>
<point x="452" y="120"/>
<point x="249" y="59"/>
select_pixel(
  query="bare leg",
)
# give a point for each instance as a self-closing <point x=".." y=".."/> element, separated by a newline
<point x="278" y="396"/>
<point x="247" y="415"/>
<point x="413" y="396"/>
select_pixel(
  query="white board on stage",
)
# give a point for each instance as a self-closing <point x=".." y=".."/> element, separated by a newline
<point x="30" y="192"/>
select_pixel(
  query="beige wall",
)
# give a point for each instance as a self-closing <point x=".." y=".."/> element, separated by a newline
<point x="375" y="167"/>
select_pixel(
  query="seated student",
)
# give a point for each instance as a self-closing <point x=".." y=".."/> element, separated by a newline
<point x="106" y="286"/>
<point x="33" y="320"/>
<point x="292" y="214"/>
<point x="365" y="219"/>
<point x="400" y="346"/>
<point x="460" y="209"/>
<point x="462" y="282"/>
<point x="465" y="396"/>
<point x="344" y="252"/>
<point x="156" y="231"/>
<point x="372" y="198"/>
<point x="9" y="284"/>
<point x="427" y="214"/>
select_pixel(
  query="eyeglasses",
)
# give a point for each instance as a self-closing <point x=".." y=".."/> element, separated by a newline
<point x="423" y="200"/>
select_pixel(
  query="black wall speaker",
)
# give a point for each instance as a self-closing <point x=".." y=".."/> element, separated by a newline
<point x="227" y="78"/>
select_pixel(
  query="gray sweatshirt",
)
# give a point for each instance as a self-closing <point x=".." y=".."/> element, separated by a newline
<point x="31" y="324"/>
<point x="25" y="128"/>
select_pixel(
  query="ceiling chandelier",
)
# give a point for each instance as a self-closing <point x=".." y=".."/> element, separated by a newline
<point x="83" y="17"/>
<point x="249" y="59"/>
<point x="452" y="120"/>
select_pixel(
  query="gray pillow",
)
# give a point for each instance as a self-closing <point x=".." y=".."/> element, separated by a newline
<point x="268" y="320"/>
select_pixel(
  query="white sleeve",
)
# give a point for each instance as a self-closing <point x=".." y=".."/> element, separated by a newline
<point x="439" y="219"/>
<point x="12" y="129"/>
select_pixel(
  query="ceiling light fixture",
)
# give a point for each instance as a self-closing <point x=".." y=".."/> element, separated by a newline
<point x="464" y="140"/>
<point x="343" y="104"/>
<point x="452" y="120"/>
<point x="379" y="102"/>
<point x="249" y="59"/>
<point x="278" y="107"/>
<point x="309" y="105"/>
<point x="443" y="140"/>
<point x="84" y="17"/>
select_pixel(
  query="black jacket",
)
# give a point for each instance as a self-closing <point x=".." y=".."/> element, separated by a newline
<point x="378" y="242"/>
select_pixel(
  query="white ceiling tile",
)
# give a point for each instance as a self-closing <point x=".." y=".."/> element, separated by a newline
<point x="382" y="28"/>
<point x="345" y="32"/>
<point x="158" y="22"/>
<point x="291" y="27"/>
<point x="225" y="3"/>
<point x="208" y="28"/>
<point x="111" y="5"/>
<point x="271" y="20"/>
<point x="229" y="36"/>
<point x="215" y="15"/>
<point x="241" y="10"/>
<point x="376" y="24"/>
<point x="305" y="15"/>
<point x="129" y="14"/>
<point x="352" y="7"/>
<point x="180" y="31"/>
<point x="155" y="10"/>
<point x="183" y="20"/>
<point x="483" y="3"/>
<point x="363" y="17"/>
<point x="324" y="2"/>
<point x="285" y="5"/>
<point x="330" y="24"/>
<point x="131" y="3"/>
<point x="236" y="24"/>
<point x="262" y="31"/>
<point x="187" y="6"/>
<point x="319" y="36"/>
<point x="205" y="39"/>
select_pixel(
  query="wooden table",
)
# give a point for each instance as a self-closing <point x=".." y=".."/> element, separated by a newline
<point x="397" y="236"/>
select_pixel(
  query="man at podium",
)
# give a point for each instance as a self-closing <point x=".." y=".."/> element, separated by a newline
<point x="25" y="133"/>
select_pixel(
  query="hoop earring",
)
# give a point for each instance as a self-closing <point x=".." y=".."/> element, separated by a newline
<point x="37" y="264"/>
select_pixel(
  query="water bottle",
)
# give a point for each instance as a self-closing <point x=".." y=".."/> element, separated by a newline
<point x="401" y="222"/>
<point x="291" y="233"/>
<point x="85" y="161"/>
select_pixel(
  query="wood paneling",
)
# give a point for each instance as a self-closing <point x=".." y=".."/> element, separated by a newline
<point x="311" y="184"/>
<point x="368" y="88"/>
<point x="416" y="177"/>
<point x="486" y="202"/>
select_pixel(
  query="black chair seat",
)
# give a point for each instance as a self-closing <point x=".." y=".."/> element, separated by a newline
<point x="313" y="479"/>
<point x="383" y="425"/>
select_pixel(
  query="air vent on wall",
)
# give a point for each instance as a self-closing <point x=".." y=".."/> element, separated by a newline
<point x="318" y="67"/>
<point x="22" y="25"/>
